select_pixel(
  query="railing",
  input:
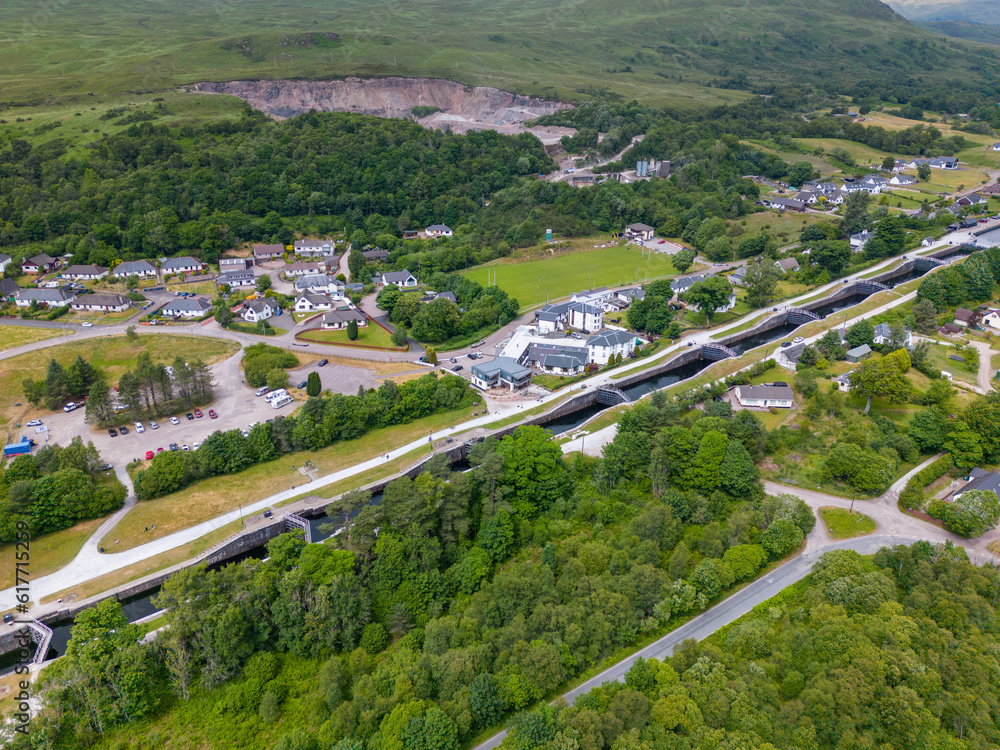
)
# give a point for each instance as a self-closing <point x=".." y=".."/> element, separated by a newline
<point x="43" y="634"/>
<point x="608" y="394"/>
<point x="293" y="521"/>
<point x="716" y="352"/>
<point x="800" y="314"/>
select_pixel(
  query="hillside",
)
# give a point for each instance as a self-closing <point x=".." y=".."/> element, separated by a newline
<point x="967" y="11"/>
<point x="667" y="54"/>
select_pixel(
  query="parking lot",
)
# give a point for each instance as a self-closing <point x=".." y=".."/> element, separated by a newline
<point x="236" y="405"/>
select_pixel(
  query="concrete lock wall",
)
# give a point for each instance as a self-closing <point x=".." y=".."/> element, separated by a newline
<point x="681" y="359"/>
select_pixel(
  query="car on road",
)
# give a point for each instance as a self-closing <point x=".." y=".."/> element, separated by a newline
<point x="174" y="420"/>
<point x="198" y="414"/>
<point x="87" y="324"/>
<point x="174" y="447"/>
<point x="798" y="340"/>
<point x="453" y="360"/>
<point x="149" y="455"/>
<point x="301" y="385"/>
<point x="323" y="363"/>
<point x="153" y="425"/>
<point x="261" y="391"/>
<point x="471" y="355"/>
<point x="189" y="416"/>
<point x="139" y="428"/>
<point x="457" y="368"/>
<point x="34" y="423"/>
<point x="212" y="414"/>
<point x="123" y="430"/>
<point x="105" y="467"/>
<point x="785" y="344"/>
<point x="112" y="432"/>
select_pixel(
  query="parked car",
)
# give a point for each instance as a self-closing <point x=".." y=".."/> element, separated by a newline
<point x="123" y="430"/>
<point x="139" y="428"/>
<point x="159" y="450"/>
<point x="267" y="514"/>
<point x="453" y="360"/>
<point x="471" y="355"/>
<point x="174" y="447"/>
<point x="196" y="446"/>
<point x="301" y="385"/>
<point x="185" y="447"/>
<point x="189" y="416"/>
<point x="153" y="425"/>
<point x="198" y="414"/>
<point x="34" y="423"/>
<point x="212" y="414"/>
<point x="261" y="391"/>
<point x="457" y="368"/>
<point x="105" y="467"/>
<point x="798" y="340"/>
<point x="112" y="432"/>
<point x="323" y="363"/>
<point x="174" y="420"/>
<point x="149" y="455"/>
<point x="87" y="324"/>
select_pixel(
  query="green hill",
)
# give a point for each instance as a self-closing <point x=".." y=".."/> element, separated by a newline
<point x="675" y="52"/>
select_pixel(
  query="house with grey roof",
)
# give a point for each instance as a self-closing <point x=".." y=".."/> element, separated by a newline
<point x="682" y="285"/>
<point x="604" y="345"/>
<point x="84" y="273"/>
<point x="294" y="270"/>
<point x="501" y="372"/>
<point x="104" y="302"/>
<point x="5" y="260"/>
<point x="314" y="248"/>
<point x="256" y="310"/>
<point x="639" y="231"/>
<point x="39" y="264"/>
<point x="141" y="268"/>
<point x="630" y="295"/>
<point x="883" y="335"/>
<point x="902" y="179"/>
<point x="183" y="264"/>
<point x="859" y="240"/>
<point x="558" y="359"/>
<point x="235" y="264"/>
<point x="44" y="297"/>
<point x="340" y="319"/>
<point x="980" y="479"/>
<point x="403" y="279"/>
<point x="377" y="254"/>
<point x="784" y="204"/>
<point x="320" y="283"/>
<point x="859" y="353"/>
<point x="187" y="307"/>
<point x="264" y="253"/>
<point x="738" y="276"/>
<point x="779" y="395"/>
<point x="8" y="289"/>
<point x="438" y="230"/>
<point x="787" y="264"/>
<point x="586" y="317"/>
<point x="312" y="302"/>
<point x="236" y="279"/>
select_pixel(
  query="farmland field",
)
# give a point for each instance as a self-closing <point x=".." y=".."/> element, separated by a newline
<point x="532" y="282"/>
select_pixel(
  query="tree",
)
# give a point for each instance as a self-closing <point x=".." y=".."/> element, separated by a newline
<point x="276" y="378"/>
<point x="34" y="391"/>
<point x="971" y="514"/>
<point x="352" y="330"/>
<point x="430" y="356"/>
<point x="709" y="295"/>
<point x="388" y="297"/>
<point x="737" y="473"/>
<point x="100" y="410"/>
<point x="399" y="336"/>
<point x="964" y="446"/>
<point x="880" y="379"/>
<point x="436" y="321"/>
<point x="683" y="260"/>
<point x="892" y="232"/>
<point x="781" y="538"/>
<point x="888" y="163"/>
<point x="831" y="255"/>
<point x="130" y="335"/>
<point x="829" y="344"/>
<point x="313" y="384"/>
<point x="801" y="171"/>
<point x="861" y="333"/>
<point x="405" y="309"/>
<point x="855" y="213"/>
<point x="925" y="316"/>
<point x="534" y="476"/>
<point x="761" y="282"/>
<point x="263" y="283"/>
<point x="924" y="172"/>
<point x="979" y="281"/>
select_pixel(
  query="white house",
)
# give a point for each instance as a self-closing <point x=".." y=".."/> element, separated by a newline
<point x="108" y="302"/>
<point x="606" y="344"/>
<point x="294" y="270"/>
<point x="403" y="279"/>
<point x="585" y="317"/>
<point x="859" y="240"/>
<point x="310" y="302"/>
<point x="630" y="295"/>
<point x="187" y="307"/>
<point x="787" y="264"/>
<point x="263" y="253"/>
<point x="991" y="319"/>
<point x="438" y="230"/>
<point x="236" y="279"/>
<point x="883" y="334"/>
<point x="500" y="372"/>
<point x="639" y="231"/>
<point x="339" y="319"/>
<point x="183" y="264"/>
<point x="50" y="297"/>
<point x="257" y="310"/>
<point x="85" y="273"/>
<point x="320" y="283"/>
<point x="558" y="359"/>
<point x="314" y="248"/>
<point x="902" y="179"/>
<point x="5" y="260"/>
<point x="235" y="264"/>
<point x="552" y="317"/>
<point x="764" y="396"/>
<point x="39" y="264"/>
<point x="141" y="268"/>
<point x="996" y="146"/>
<point x="928" y="241"/>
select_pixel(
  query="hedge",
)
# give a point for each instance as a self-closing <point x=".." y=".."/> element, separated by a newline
<point x="913" y="495"/>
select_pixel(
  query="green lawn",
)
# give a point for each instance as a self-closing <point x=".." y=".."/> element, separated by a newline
<point x="939" y="357"/>
<point x="532" y="282"/>
<point x="12" y="337"/>
<point x="842" y="524"/>
<point x="372" y="336"/>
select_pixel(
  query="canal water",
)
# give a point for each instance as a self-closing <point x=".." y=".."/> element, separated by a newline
<point x="839" y="304"/>
<point x="764" y="337"/>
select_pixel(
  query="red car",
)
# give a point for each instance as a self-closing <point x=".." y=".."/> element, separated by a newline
<point x="159" y="450"/>
<point x="212" y="414"/>
<point x="198" y="414"/>
<point x="149" y="455"/>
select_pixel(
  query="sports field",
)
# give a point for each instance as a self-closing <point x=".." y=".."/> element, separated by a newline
<point x="532" y="282"/>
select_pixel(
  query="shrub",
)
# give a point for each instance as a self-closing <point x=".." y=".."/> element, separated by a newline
<point x="374" y="638"/>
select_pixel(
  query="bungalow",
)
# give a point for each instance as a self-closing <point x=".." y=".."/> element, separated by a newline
<point x="183" y="264"/>
<point x="8" y="289"/>
<point x="320" y="283"/>
<point x="949" y="328"/>
<point x="312" y="302"/>
<point x="143" y="269"/>
<point x="501" y="372"/>
<point x="630" y="295"/>
<point x="5" y="260"/>
<point x="314" y="248"/>
<point x="403" y="279"/>
<point x="859" y="353"/>
<point x="827" y="187"/>
<point x="263" y="253"/>
<point x="972" y="199"/>
<point x="235" y="264"/>
<point x="377" y="254"/>
<point x="682" y="285"/>
<point x="764" y="396"/>
<point x="450" y="296"/>
<point x="738" y="276"/>
<point x="236" y="279"/>
<point x="294" y="270"/>
<point x="104" y="302"/>
<point x="639" y="231"/>
<point x="993" y="190"/>
<point x="902" y="179"/>
<point x="991" y="319"/>
<point x="585" y="317"/>
<point x="783" y="204"/>
<point x="787" y="264"/>
<point x="340" y="319"/>
<point x="927" y="242"/>
<point x="944" y="162"/>
<point x="968" y="222"/>
<point x="609" y="343"/>
<point x="788" y="356"/>
<point x="39" y="264"/>
<point x="883" y="335"/>
<point x="85" y="273"/>
<point x="965" y="317"/>
<point x="49" y="297"/>
<point x="187" y="307"/>
<point x="859" y="240"/>
<point x="836" y="198"/>
<point x="438" y="230"/>
<point x="980" y="479"/>
<point x="807" y="196"/>
<point x="257" y="310"/>
<point x="558" y="359"/>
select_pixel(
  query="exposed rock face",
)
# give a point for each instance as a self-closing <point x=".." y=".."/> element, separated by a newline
<point x="462" y="108"/>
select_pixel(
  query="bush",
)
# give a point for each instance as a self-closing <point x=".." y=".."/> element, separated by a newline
<point x="374" y="638"/>
<point x="912" y="495"/>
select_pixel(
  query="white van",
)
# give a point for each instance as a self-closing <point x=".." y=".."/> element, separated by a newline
<point x="262" y="390"/>
<point x="275" y="394"/>
<point x="281" y="401"/>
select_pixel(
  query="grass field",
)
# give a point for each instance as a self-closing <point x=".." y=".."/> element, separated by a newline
<point x="112" y="354"/>
<point x="49" y="552"/>
<point x="842" y="524"/>
<point x="212" y="497"/>
<point x="785" y="228"/>
<point x="938" y="356"/>
<point x="12" y="337"/>
<point x="862" y="154"/>
<point x="533" y="281"/>
<point x="372" y="336"/>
